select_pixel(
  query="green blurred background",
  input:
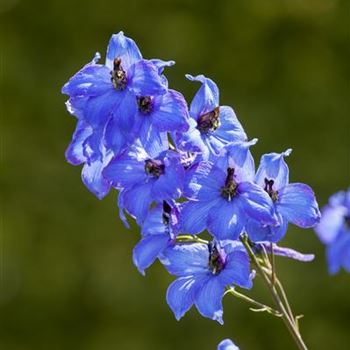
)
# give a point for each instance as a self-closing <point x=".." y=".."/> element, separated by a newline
<point x="67" y="280"/>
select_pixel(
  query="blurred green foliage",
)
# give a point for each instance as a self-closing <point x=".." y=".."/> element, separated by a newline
<point x="67" y="280"/>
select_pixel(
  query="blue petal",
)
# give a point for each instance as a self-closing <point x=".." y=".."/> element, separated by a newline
<point x="285" y="252"/>
<point x="256" y="203"/>
<point x="125" y="111"/>
<point x="144" y="79"/>
<point x="258" y="232"/>
<point x="93" y="179"/>
<point x="115" y="138"/>
<point x="153" y="141"/>
<point x="170" y="184"/>
<point x="180" y="295"/>
<point x="230" y="129"/>
<point x="205" y="182"/>
<point x="91" y="80"/>
<point x="297" y="203"/>
<point x="99" y="108"/>
<point x="206" y="98"/>
<point x="194" y="216"/>
<point x="170" y="112"/>
<point x="160" y="64"/>
<point x="227" y="344"/>
<point x="74" y="153"/>
<point x="186" y="259"/>
<point x="273" y="167"/>
<point x="147" y="250"/>
<point x="237" y="270"/>
<point x="126" y="170"/>
<point x="124" y="48"/>
<point x="331" y="223"/>
<point x="137" y="200"/>
<point x="237" y="155"/>
<point x="338" y="253"/>
<point x="226" y="219"/>
<point x="209" y="299"/>
<point x="153" y="224"/>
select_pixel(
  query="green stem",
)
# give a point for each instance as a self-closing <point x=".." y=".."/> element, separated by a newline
<point x="190" y="239"/>
<point x="261" y="307"/>
<point x="289" y="322"/>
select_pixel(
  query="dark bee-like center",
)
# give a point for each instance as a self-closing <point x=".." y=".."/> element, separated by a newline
<point x="269" y="189"/>
<point x="209" y="121"/>
<point x="230" y="189"/>
<point x="216" y="262"/>
<point x="154" y="167"/>
<point x="118" y="75"/>
<point x="144" y="104"/>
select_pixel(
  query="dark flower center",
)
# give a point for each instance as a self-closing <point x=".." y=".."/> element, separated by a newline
<point x="269" y="189"/>
<point x="347" y="221"/>
<point x="154" y="167"/>
<point x="144" y="103"/>
<point x="166" y="213"/>
<point x="118" y="75"/>
<point x="216" y="261"/>
<point x="230" y="189"/>
<point x="209" y="121"/>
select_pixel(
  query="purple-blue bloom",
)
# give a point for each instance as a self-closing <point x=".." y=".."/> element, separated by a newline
<point x="334" y="231"/>
<point x="227" y="344"/>
<point x="108" y="92"/>
<point x="211" y="126"/>
<point x="145" y="178"/>
<point x="293" y="202"/>
<point x="204" y="271"/>
<point x="223" y="196"/>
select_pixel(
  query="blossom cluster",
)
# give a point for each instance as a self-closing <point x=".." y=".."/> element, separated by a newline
<point x="181" y="171"/>
<point x="334" y="231"/>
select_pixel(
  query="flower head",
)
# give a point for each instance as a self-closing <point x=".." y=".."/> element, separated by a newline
<point x="211" y="126"/>
<point x="227" y="344"/>
<point x="222" y="197"/>
<point x="293" y="202"/>
<point x="204" y="271"/>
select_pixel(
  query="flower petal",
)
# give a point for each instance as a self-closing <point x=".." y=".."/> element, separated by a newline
<point x="297" y="203"/>
<point x="170" y="184"/>
<point x="206" y="98"/>
<point x="194" y="215"/>
<point x="137" y="200"/>
<point x="186" y="259"/>
<point x="226" y="220"/>
<point x="237" y="270"/>
<point x="331" y="223"/>
<point x="209" y="299"/>
<point x="180" y="295"/>
<point x="227" y="344"/>
<point x="144" y="79"/>
<point x="147" y="250"/>
<point x="256" y="203"/>
<point x="91" y="80"/>
<point x="258" y="232"/>
<point x="93" y="179"/>
<point x="338" y="253"/>
<point x="124" y="48"/>
<point x="286" y="252"/>
<point x="273" y="167"/>
<point x="170" y="112"/>
<point x="75" y="153"/>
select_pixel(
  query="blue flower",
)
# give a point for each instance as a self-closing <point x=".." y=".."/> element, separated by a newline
<point x="294" y="202"/>
<point x="227" y="344"/>
<point x="211" y="126"/>
<point x="204" y="271"/>
<point x="158" y="231"/>
<point x="108" y="92"/>
<point x="334" y="231"/>
<point x="223" y="196"/>
<point x="145" y="178"/>
<point x="85" y="149"/>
